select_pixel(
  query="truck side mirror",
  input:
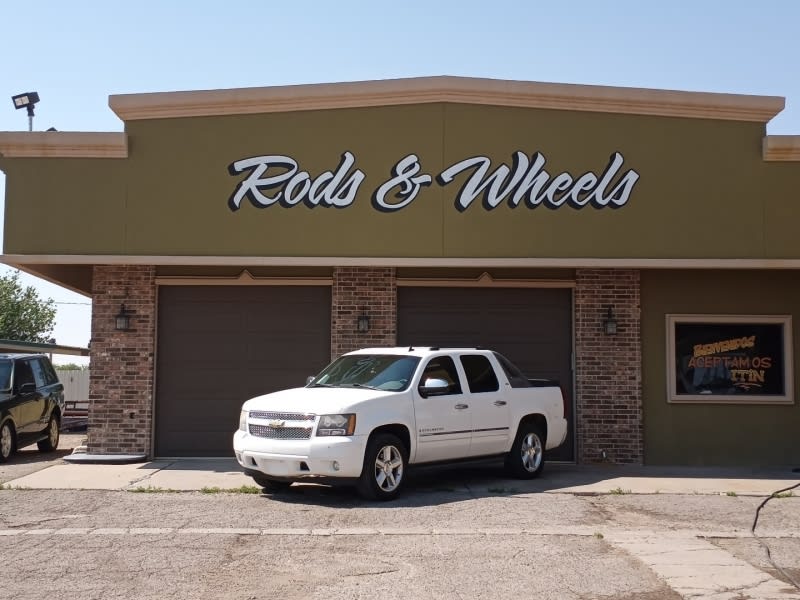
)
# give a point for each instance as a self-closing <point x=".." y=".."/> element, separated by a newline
<point x="434" y="387"/>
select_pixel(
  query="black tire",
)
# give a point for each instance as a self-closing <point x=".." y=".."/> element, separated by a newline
<point x="383" y="473"/>
<point x="525" y="460"/>
<point x="50" y="443"/>
<point x="8" y="441"/>
<point x="270" y="485"/>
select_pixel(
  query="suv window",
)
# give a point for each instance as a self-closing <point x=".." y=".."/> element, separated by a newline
<point x="23" y="374"/>
<point x="515" y="376"/>
<point x="39" y="373"/>
<point x="5" y="374"/>
<point x="442" y="367"/>
<point x="50" y="373"/>
<point x="480" y="373"/>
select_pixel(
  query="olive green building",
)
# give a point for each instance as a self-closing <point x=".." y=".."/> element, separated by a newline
<point x="640" y="246"/>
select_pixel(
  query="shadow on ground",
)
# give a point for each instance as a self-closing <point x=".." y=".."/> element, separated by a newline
<point x="428" y="486"/>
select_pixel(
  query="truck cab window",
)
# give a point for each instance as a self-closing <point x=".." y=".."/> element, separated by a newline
<point x="442" y="367"/>
<point x="480" y="373"/>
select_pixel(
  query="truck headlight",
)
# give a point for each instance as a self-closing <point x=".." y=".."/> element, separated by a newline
<point x="336" y="425"/>
<point x="243" y="420"/>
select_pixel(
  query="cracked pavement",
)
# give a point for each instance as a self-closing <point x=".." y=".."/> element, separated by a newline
<point x="439" y="540"/>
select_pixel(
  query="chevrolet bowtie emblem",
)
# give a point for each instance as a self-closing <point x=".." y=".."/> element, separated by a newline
<point x="277" y="424"/>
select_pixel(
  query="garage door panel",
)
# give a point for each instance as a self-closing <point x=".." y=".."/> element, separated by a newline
<point x="219" y="346"/>
<point x="531" y="326"/>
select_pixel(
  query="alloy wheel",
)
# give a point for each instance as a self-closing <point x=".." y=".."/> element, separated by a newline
<point x="532" y="452"/>
<point x="388" y="468"/>
<point x="5" y="441"/>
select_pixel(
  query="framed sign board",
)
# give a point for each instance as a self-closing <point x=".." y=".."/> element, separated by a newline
<point x="729" y="359"/>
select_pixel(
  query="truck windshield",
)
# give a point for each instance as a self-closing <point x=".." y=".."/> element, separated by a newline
<point x="5" y="375"/>
<point x="376" y="371"/>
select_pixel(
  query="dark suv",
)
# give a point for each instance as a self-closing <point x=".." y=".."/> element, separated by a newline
<point x="31" y="403"/>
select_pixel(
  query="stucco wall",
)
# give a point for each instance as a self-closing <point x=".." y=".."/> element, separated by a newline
<point x="715" y="434"/>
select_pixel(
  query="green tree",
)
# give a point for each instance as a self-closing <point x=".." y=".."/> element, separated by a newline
<point x="72" y="367"/>
<point x="24" y="317"/>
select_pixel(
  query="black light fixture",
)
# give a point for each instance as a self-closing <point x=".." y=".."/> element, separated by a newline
<point x="27" y="101"/>
<point x="610" y="323"/>
<point x="122" y="320"/>
<point x="362" y="324"/>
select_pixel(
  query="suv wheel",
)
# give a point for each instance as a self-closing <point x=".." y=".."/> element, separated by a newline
<point x="7" y="441"/>
<point x="51" y="442"/>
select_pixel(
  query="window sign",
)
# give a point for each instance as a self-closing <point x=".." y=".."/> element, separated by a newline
<point x="730" y="359"/>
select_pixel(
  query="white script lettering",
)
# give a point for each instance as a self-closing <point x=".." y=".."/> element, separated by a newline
<point x="529" y="181"/>
<point x="403" y="175"/>
<point x="277" y="179"/>
<point x="332" y="188"/>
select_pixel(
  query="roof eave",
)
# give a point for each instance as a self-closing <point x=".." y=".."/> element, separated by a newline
<point x="466" y="90"/>
<point x="63" y="144"/>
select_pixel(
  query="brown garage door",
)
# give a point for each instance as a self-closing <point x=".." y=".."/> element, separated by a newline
<point x="531" y="326"/>
<point x="219" y="346"/>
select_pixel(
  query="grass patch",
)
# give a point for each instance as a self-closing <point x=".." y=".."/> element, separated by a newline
<point x="502" y="490"/>
<point x="788" y="494"/>
<point x="618" y="492"/>
<point x="150" y="489"/>
<point x="244" y="489"/>
<point x="732" y="494"/>
<point x="598" y="535"/>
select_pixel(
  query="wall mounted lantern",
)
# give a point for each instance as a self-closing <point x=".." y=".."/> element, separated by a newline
<point x="610" y="323"/>
<point x="362" y="324"/>
<point x="122" y="320"/>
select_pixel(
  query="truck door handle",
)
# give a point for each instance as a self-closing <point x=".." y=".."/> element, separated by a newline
<point x="461" y="406"/>
<point x="499" y="402"/>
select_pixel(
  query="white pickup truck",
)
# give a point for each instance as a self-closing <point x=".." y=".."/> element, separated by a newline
<point x="373" y="412"/>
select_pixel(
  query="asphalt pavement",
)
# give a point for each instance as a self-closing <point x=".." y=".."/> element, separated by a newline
<point x="201" y="529"/>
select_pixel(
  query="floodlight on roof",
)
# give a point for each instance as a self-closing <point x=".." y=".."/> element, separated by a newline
<point x="27" y="100"/>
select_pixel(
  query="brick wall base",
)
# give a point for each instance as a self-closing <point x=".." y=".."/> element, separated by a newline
<point x="121" y="363"/>
<point x="608" y="367"/>
<point x="363" y="290"/>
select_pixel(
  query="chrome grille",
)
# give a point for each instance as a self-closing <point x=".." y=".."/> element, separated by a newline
<point x="282" y="425"/>
<point x="281" y="416"/>
<point x="281" y="433"/>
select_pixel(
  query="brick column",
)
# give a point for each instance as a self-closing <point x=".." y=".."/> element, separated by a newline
<point x="608" y="369"/>
<point x="121" y="367"/>
<point x="369" y="289"/>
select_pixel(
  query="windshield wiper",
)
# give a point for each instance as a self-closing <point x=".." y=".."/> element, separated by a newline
<point x="323" y="385"/>
<point x="363" y="385"/>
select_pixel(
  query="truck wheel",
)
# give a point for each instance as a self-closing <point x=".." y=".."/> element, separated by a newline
<point x="6" y="442"/>
<point x="384" y="468"/>
<point x="50" y="443"/>
<point x="270" y="485"/>
<point x="526" y="458"/>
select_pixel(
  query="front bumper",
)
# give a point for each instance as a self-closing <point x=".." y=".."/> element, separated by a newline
<point x="294" y="460"/>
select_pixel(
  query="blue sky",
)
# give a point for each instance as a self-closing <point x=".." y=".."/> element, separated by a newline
<point x="77" y="53"/>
